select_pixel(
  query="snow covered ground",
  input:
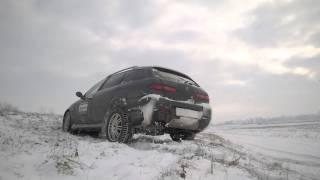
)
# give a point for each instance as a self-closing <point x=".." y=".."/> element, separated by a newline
<point x="32" y="146"/>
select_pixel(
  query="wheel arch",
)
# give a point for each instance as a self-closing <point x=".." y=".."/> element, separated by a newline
<point x="70" y="114"/>
<point x="65" y="112"/>
<point x="116" y="102"/>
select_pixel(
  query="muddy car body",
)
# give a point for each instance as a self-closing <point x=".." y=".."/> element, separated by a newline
<point x="151" y="100"/>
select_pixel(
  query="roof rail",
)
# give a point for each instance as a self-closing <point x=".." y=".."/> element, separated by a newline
<point x="126" y="69"/>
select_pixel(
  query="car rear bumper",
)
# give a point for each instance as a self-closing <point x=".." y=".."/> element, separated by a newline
<point x="182" y="115"/>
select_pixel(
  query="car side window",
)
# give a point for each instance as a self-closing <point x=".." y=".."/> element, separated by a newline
<point x="94" y="89"/>
<point x="135" y="75"/>
<point x="113" y="80"/>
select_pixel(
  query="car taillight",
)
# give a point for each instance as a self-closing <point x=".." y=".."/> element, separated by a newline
<point x="201" y="97"/>
<point x="163" y="87"/>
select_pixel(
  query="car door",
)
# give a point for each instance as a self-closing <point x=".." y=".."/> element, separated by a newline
<point x="83" y="104"/>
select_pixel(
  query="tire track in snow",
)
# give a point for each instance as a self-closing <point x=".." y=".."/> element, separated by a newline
<point x="316" y="161"/>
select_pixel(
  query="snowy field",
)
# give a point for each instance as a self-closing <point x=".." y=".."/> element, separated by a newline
<point x="32" y="146"/>
<point x="293" y="144"/>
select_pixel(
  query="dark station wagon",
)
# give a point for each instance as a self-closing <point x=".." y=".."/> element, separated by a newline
<point x="150" y="100"/>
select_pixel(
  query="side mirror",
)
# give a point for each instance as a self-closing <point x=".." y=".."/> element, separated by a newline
<point x="80" y="95"/>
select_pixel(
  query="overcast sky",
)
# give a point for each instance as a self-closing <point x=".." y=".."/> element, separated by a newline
<point x="254" y="57"/>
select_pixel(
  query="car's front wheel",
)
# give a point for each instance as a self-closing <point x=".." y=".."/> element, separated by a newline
<point x="118" y="128"/>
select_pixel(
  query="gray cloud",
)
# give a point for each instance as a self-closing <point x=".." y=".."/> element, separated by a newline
<point x="310" y="63"/>
<point x="278" y="21"/>
<point x="171" y="58"/>
<point x="315" y="39"/>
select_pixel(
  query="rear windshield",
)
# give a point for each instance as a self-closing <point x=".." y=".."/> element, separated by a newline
<point x="173" y="76"/>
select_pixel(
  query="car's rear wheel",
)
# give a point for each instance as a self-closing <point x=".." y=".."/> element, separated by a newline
<point x="188" y="136"/>
<point x="66" y="124"/>
<point x="118" y="128"/>
<point x="175" y="137"/>
<point x="184" y="136"/>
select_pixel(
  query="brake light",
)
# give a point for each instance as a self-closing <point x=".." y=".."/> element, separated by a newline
<point x="163" y="87"/>
<point x="201" y="97"/>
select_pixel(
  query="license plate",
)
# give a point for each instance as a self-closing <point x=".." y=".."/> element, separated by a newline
<point x="188" y="113"/>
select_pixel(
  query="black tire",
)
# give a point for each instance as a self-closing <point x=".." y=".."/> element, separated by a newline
<point x="66" y="123"/>
<point x="188" y="136"/>
<point x="118" y="128"/>
<point x="184" y="136"/>
<point x="175" y="137"/>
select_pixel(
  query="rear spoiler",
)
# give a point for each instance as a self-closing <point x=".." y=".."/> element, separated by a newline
<point x="174" y="72"/>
